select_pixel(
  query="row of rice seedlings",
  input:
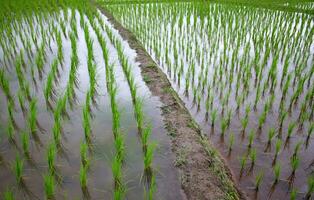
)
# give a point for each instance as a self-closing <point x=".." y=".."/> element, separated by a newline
<point x="116" y="167"/>
<point x="131" y="17"/>
<point x="273" y="65"/>
<point x="90" y="62"/>
<point x="58" y="112"/>
<point x="72" y="81"/>
<point x="148" y="147"/>
<point x="85" y="161"/>
<point x="119" y="188"/>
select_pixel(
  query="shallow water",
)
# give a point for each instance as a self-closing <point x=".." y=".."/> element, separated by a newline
<point x="205" y="36"/>
<point x="100" y="181"/>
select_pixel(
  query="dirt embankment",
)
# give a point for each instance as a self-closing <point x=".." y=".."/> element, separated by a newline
<point x="203" y="173"/>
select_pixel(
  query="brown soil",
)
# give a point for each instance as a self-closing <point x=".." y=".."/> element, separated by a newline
<point x="203" y="172"/>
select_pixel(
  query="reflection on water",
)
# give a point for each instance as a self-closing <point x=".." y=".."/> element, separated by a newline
<point x="100" y="181"/>
<point x="248" y="69"/>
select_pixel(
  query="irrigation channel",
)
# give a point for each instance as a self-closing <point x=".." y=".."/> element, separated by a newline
<point x="86" y="114"/>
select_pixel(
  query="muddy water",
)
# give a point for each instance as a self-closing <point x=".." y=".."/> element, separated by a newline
<point x="100" y="183"/>
<point x="166" y="35"/>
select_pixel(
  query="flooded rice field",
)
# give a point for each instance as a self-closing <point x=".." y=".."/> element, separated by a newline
<point x="77" y="121"/>
<point x="246" y="75"/>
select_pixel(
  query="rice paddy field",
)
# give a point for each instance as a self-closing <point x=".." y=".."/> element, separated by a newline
<point x="156" y="99"/>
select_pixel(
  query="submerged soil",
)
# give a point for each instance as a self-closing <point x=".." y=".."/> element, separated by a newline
<point x="203" y="172"/>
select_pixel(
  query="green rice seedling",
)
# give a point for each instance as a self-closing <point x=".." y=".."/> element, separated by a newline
<point x="304" y="116"/>
<point x="39" y="60"/>
<point x="270" y="136"/>
<point x="18" y="169"/>
<point x="51" y="157"/>
<point x="8" y="195"/>
<point x="117" y="171"/>
<point x="120" y="146"/>
<point x="310" y="187"/>
<point x="194" y="94"/>
<point x="231" y="142"/>
<point x="244" y="123"/>
<point x="84" y="157"/>
<point x="291" y="126"/>
<point x="257" y="96"/>
<point x="59" y="44"/>
<point x="118" y="193"/>
<point x="277" y="171"/>
<point x="286" y="87"/>
<point x="243" y="161"/>
<point x="26" y="90"/>
<point x="224" y="125"/>
<point x="54" y="68"/>
<point x="21" y="100"/>
<point x="293" y="194"/>
<point x="148" y="159"/>
<point x="253" y="156"/>
<point x="49" y="186"/>
<point x="83" y="177"/>
<point x="294" y="162"/>
<point x="138" y="106"/>
<point x="261" y="120"/>
<point x="229" y="115"/>
<point x="86" y="124"/>
<point x="187" y="85"/>
<point x="18" y="68"/>
<point x="56" y="131"/>
<point x="11" y="110"/>
<point x="63" y="28"/>
<point x="258" y="180"/>
<point x="49" y="86"/>
<point x="251" y="138"/>
<point x="198" y="102"/>
<point x="282" y="116"/>
<point x="73" y="26"/>
<point x="297" y="149"/>
<point x="5" y="84"/>
<point x="213" y="116"/>
<point x="114" y="108"/>
<point x="25" y="143"/>
<point x="277" y="149"/>
<point x="207" y="105"/>
<point x="239" y="101"/>
<point x="145" y="137"/>
<point x="152" y="188"/>
<point x="10" y="131"/>
<point x="32" y="116"/>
